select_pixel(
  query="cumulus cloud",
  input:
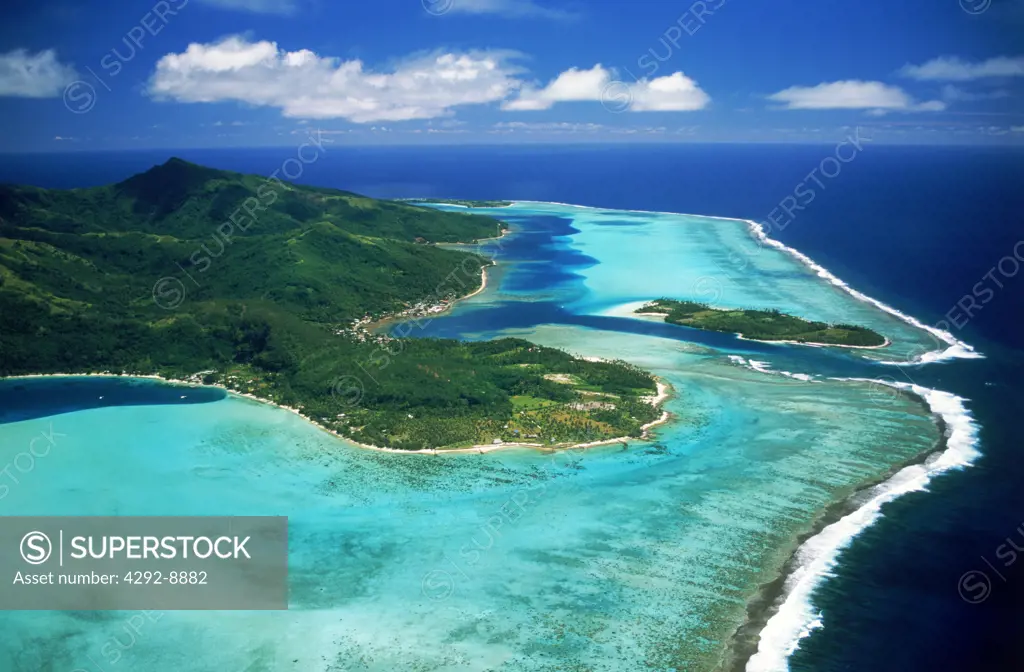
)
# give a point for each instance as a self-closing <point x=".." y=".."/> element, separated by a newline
<point x="508" y="8"/>
<point x="572" y="85"/>
<point x="303" y="84"/>
<point x="953" y="69"/>
<point x="41" y="75"/>
<point x="853" y="95"/>
<point x="672" y="93"/>
<point x="256" y="6"/>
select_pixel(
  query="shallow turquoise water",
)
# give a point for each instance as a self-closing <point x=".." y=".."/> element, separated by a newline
<point x="609" y="559"/>
<point x="518" y="559"/>
<point x="645" y="256"/>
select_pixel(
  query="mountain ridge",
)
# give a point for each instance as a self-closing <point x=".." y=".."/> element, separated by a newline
<point x="176" y="271"/>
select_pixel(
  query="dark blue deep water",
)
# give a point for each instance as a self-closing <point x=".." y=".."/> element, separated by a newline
<point x="28" y="398"/>
<point x="917" y="227"/>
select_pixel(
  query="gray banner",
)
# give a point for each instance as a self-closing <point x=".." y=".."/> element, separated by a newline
<point x="122" y="562"/>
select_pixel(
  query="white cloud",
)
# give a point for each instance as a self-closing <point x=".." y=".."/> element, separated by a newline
<point x="572" y="85"/>
<point x="550" y="126"/>
<point x="853" y="95"/>
<point x="672" y="93"/>
<point x="41" y="75"/>
<point x="1017" y="129"/>
<point x="256" y="6"/>
<point x="303" y="84"/>
<point x="508" y="8"/>
<point x="955" y="94"/>
<point x="953" y="69"/>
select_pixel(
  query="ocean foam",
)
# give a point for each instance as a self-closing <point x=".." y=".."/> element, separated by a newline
<point x="956" y="349"/>
<point x="765" y="367"/>
<point x="796" y="617"/>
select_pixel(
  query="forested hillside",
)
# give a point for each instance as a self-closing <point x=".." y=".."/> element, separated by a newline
<point x="257" y="283"/>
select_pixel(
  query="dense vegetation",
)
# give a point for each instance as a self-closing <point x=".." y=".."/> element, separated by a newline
<point x="465" y="203"/>
<point x="763" y="325"/>
<point x="261" y="285"/>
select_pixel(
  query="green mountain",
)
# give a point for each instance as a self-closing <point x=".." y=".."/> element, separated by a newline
<point x="258" y="284"/>
<point x="214" y="235"/>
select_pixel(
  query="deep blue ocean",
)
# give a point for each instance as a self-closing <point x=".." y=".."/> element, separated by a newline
<point x="916" y="227"/>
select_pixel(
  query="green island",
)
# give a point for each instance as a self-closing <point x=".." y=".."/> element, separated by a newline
<point x="763" y="325"/>
<point x="463" y="203"/>
<point x="266" y="287"/>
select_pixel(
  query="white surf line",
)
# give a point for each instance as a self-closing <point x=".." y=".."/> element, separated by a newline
<point x="765" y="367"/>
<point x="957" y="349"/>
<point x="796" y="617"/>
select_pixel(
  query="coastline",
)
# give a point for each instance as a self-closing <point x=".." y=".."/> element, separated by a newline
<point x="781" y="610"/>
<point x="427" y="203"/>
<point x="819" y="345"/>
<point x="504" y="232"/>
<point x="774" y="595"/>
<point x="661" y="318"/>
<point x="377" y="325"/>
<point x="956" y="349"/>
<point x="765" y="602"/>
<point x="663" y="389"/>
<point x="663" y="393"/>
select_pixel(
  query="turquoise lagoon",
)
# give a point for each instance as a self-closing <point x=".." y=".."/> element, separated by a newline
<point x="638" y="557"/>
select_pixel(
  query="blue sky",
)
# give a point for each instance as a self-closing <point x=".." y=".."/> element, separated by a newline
<point x="211" y="73"/>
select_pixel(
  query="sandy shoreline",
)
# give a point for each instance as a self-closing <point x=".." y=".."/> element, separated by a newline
<point x="820" y="345"/>
<point x="664" y="391"/>
<point x="427" y="203"/>
<point x="376" y="326"/>
<point x="759" y="608"/>
<point x="504" y="232"/>
<point x="957" y="349"/>
<point x="622" y="311"/>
